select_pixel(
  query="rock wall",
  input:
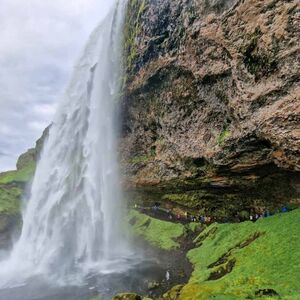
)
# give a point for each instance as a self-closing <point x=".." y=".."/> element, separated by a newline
<point x="211" y="112"/>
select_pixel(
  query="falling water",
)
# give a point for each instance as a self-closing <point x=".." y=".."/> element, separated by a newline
<point x="72" y="220"/>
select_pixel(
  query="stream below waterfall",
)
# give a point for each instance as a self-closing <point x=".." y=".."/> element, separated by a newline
<point x="131" y="275"/>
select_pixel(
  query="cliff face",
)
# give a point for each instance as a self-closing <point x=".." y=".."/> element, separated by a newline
<point x="211" y="113"/>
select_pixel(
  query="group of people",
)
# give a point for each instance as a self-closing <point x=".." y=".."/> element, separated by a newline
<point x="265" y="214"/>
<point x="255" y="217"/>
<point x="203" y="219"/>
<point x="208" y="219"/>
<point x="191" y="218"/>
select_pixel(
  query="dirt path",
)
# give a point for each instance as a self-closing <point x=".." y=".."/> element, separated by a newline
<point x="174" y="262"/>
<point x="162" y="214"/>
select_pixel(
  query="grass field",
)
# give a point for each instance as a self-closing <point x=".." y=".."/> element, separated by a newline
<point x="247" y="260"/>
<point x="158" y="233"/>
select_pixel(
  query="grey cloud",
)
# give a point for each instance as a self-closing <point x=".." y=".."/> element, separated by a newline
<point x="39" y="44"/>
<point x="3" y="153"/>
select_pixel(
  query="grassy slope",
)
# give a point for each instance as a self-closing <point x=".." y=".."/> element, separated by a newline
<point x="9" y="200"/>
<point x="22" y="175"/>
<point x="158" y="233"/>
<point x="272" y="261"/>
<point x="11" y="190"/>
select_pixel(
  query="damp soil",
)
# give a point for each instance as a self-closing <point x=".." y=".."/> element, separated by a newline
<point x="174" y="262"/>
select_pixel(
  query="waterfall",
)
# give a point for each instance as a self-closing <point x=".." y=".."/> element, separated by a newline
<point x="72" y="220"/>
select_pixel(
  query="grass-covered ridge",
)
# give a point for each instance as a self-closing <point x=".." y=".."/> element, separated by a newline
<point x="247" y="260"/>
<point x="22" y="175"/>
<point x="158" y="233"/>
<point x="12" y="184"/>
<point x="10" y="200"/>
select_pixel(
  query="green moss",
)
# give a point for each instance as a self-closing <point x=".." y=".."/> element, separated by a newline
<point x="22" y="175"/>
<point x="188" y="199"/>
<point x="10" y="188"/>
<point x="223" y="136"/>
<point x="194" y="227"/>
<point x="266" y="256"/>
<point x="127" y="296"/>
<point x="26" y="159"/>
<point x="143" y="158"/>
<point x="139" y="159"/>
<point x="10" y="200"/>
<point x="158" y="233"/>
<point x="132" y="29"/>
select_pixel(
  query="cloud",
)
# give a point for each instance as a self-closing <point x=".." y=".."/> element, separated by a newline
<point x="40" y="42"/>
<point x="3" y="153"/>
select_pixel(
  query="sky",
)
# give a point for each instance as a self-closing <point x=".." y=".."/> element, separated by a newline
<point x="40" y="42"/>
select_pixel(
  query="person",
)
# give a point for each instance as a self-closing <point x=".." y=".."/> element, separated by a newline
<point x="251" y="218"/>
<point x="167" y="275"/>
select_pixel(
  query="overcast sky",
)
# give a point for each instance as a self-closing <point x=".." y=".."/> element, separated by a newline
<point x="40" y="41"/>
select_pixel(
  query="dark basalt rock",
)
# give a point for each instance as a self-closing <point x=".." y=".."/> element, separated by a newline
<point x="211" y="107"/>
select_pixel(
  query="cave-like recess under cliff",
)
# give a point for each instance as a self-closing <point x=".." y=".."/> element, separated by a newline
<point x="211" y="104"/>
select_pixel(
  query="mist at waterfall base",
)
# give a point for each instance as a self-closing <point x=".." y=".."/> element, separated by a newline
<point x="73" y="243"/>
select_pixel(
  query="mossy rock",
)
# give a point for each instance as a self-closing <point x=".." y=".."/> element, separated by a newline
<point x="173" y="294"/>
<point x="127" y="296"/>
<point x="131" y="31"/>
<point x="158" y="233"/>
<point x="26" y="159"/>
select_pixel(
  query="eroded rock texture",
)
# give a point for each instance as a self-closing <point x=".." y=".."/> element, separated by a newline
<point x="211" y="113"/>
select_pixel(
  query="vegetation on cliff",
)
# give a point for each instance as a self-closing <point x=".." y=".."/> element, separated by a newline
<point x="22" y="175"/>
<point x="10" y="200"/>
<point x="247" y="260"/>
<point x="12" y="185"/>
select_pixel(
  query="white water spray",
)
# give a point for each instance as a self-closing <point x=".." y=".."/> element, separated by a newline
<point x="72" y="220"/>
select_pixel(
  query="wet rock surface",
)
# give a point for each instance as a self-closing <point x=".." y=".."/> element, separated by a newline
<point x="127" y="296"/>
<point x="211" y="109"/>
